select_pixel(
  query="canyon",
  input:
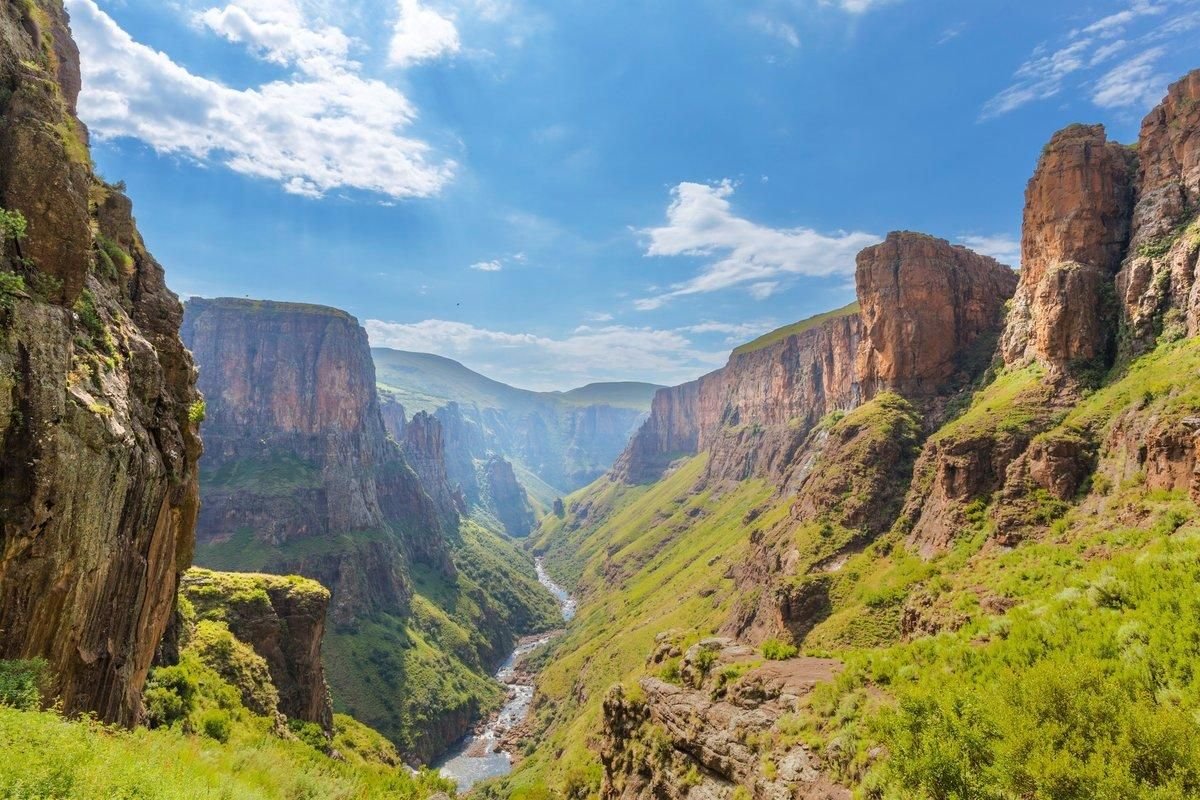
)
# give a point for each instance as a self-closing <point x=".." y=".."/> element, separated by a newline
<point x="940" y="542"/>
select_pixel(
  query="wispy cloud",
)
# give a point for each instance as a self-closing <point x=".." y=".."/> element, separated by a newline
<point x="857" y="6"/>
<point x="590" y="353"/>
<point x="776" y="28"/>
<point x="1002" y="247"/>
<point x="701" y="222"/>
<point x="326" y="127"/>
<point x="1046" y="73"/>
<point x="1136" y="82"/>
<point x="487" y="266"/>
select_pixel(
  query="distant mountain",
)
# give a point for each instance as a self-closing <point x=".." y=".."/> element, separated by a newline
<point x="556" y="441"/>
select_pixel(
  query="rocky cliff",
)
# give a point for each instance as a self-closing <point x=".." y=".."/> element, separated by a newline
<point x="926" y="320"/>
<point x="752" y="412"/>
<point x="300" y="475"/>
<point x="98" y="407"/>
<point x="283" y="619"/>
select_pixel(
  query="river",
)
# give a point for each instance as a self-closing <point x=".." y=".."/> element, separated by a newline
<point x="479" y="757"/>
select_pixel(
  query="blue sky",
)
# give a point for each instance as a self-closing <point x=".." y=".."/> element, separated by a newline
<point x="560" y="191"/>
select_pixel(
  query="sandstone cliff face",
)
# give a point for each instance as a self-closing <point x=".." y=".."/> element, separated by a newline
<point x="753" y="412"/>
<point x="1076" y="228"/>
<point x="300" y="475"/>
<point x="283" y="620"/>
<point x="508" y="498"/>
<point x="98" y="489"/>
<point x="931" y="313"/>
<point x="425" y="450"/>
<point x="1157" y="286"/>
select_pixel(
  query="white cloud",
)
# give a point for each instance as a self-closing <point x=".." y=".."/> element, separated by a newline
<point x="488" y="266"/>
<point x="1135" y="82"/>
<point x="279" y="31"/>
<point x="326" y="129"/>
<point x="701" y="222"/>
<point x="611" y="352"/>
<point x="422" y="34"/>
<point x="1005" y="249"/>
<point x="1046" y="72"/>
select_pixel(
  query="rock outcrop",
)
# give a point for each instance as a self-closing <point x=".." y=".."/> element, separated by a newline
<point x="713" y="736"/>
<point x="508" y="498"/>
<point x="98" y="406"/>
<point x="1076" y="228"/>
<point x="425" y="450"/>
<point x="1157" y="286"/>
<point x="283" y="619"/>
<point x="300" y="475"/>
<point x="931" y="312"/>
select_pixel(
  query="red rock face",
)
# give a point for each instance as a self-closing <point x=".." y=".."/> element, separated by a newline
<point x="1157" y="284"/>
<point x="1076" y="228"/>
<point x="299" y="452"/>
<point x="925" y="305"/>
<point x="751" y="412"/>
<point x="98" y="489"/>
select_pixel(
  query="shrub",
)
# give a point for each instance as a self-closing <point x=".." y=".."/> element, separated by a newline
<point x="310" y="733"/>
<point x="170" y="696"/>
<point x="776" y="650"/>
<point x="10" y="287"/>
<point x="197" y="412"/>
<point x="12" y="227"/>
<point x="21" y="683"/>
<point x="216" y="725"/>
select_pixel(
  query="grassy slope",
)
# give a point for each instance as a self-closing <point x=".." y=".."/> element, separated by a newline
<point x="49" y="758"/>
<point x="795" y="328"/>
<point x="664" y="550"/>
<point x="1018" y="704"/>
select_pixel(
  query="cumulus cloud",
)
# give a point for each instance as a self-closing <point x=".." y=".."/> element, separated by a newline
<point x="1135" y="82"/>
<point x="279" y="32"/>
<point x="701" y="223"/>
<point x="422" y="34"/>
<point x="590" y="353"/>
<point x="1005" y="249"/>
<point x="326" y="128"/>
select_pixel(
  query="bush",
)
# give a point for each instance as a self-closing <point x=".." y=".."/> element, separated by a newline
<point x="10" y="287"/>
<point x="21" y="683"/>
<point x="12" y="227"/>
<point x="216" y="725"/>
<point x="197" y="412"/>
<point x="776" y="650"/>
<point x="310" y="733"/>
<point x="170" y="696"/>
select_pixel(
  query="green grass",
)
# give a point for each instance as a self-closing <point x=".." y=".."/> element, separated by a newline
<point x="796" y="328"/>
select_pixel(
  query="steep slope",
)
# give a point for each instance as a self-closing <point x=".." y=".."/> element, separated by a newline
<point x="98" y="408"/>
<point x="302" y="477"/>
<point x="563" y="439"/>
<point x="997" y="555"/>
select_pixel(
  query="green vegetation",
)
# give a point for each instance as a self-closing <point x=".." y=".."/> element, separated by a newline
<point x="197" y="412"/>
<point x="276" y="474"/>
<point x="775" y="650"/>
<point x="233" y="756"/>
<point x="796" y="328"/>
<point x="21" y="683"/>
<point x="13" y="227"/>
<point x="111" y="258"/>
<point x="11" y="287"/>
<point x="406" y="676"/>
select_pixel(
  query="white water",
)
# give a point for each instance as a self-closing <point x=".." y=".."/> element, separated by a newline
<point x="479" y="757"/>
